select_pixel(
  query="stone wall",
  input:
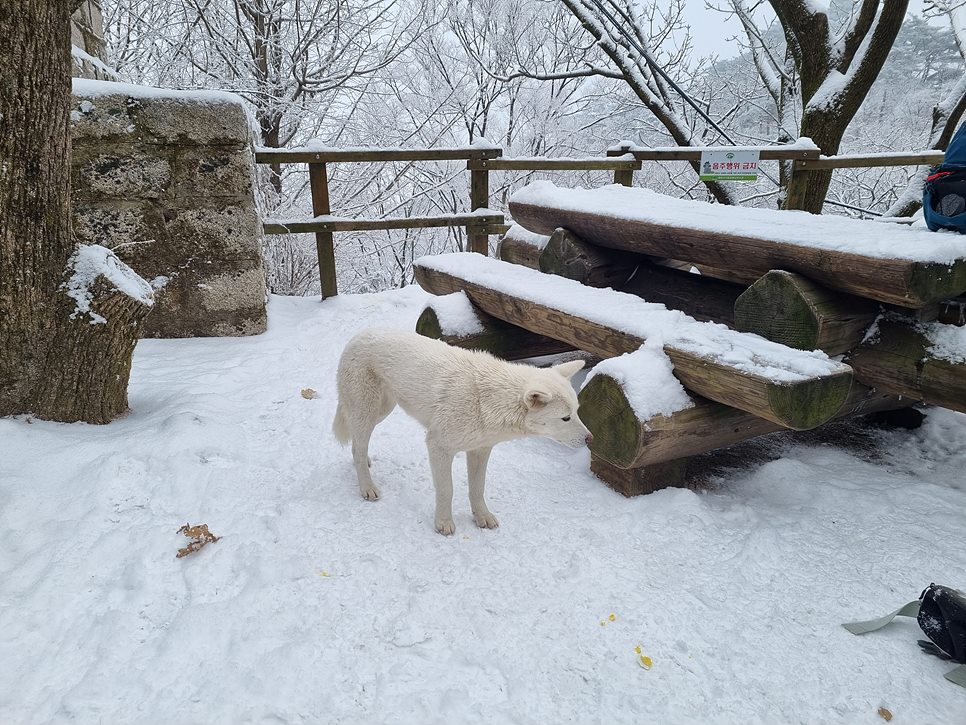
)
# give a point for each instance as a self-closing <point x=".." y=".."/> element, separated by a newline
<point x="87" y="39"/>
<point x="165" y="178"/>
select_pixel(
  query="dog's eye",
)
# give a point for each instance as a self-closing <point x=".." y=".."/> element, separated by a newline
<point x="566" y="420"/>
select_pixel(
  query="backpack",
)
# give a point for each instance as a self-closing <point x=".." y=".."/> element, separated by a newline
<point x="944" y="194"/>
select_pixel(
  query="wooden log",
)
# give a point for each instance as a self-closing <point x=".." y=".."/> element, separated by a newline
<point x="567" y="255"/>
<point x="899" y="358"/>
<point x="627" y="441"/>
<point x="495" y="336"/>
<point x="704" y="298"/>
<point x="640" y="481"/>
<point x="788" y="308"/>
<point x="904" y="282"/>
<point x="518" y="246"/>
<point x="800" y="404"/>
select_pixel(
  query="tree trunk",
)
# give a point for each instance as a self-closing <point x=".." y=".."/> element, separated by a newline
<point x="55" y="361"/>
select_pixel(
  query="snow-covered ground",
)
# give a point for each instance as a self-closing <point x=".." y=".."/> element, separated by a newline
<point x="317" y="606"/>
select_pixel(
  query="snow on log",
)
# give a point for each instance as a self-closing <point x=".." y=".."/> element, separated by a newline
<point x="627" y="439"/>
<point x="453" y="319"/>
<point x="521" y="247"/>
<point x="788" y="308"/>
<point x="919" y="361"/>
<point x="793" y="388"/>
<point x="898" y="265"/>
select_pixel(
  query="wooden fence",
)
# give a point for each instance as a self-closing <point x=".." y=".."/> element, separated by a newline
<point x="480" y="161"/>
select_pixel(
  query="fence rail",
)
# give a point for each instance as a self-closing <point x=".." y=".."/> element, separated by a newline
<point x="480" y="222"/>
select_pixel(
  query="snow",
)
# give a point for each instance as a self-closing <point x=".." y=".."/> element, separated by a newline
<point x="92" y="261"/>
<point x="630" y="314"/>
<point x="647" y="379"/>
<point x="86" y="57"/>
<point x="317" y="606"/>
<point x="456" y="315"/>
<point x="793" y="228"/>
<point x="948" y="341"/>
<point x="92" y="88"/>
<point x="537" y="241"/>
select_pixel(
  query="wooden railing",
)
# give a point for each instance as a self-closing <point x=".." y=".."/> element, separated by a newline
<point x="480" y="222"/>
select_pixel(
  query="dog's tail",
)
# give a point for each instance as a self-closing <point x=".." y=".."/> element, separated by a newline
<point x="340" y="425"/>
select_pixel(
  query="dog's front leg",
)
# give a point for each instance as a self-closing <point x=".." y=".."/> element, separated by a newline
<point x="441" y="466"/>
<point x="476" y="473"/>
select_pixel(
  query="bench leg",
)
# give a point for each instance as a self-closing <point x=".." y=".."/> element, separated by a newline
<point x="638" y="481"/>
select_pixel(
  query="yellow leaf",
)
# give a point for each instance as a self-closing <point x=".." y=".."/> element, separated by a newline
<point x="612" y="617"/>
<point x="885" y="714"/>
<point x="638" y="649"/>
<point x="645" y="662"/>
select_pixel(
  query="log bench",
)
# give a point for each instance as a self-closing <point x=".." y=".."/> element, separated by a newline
<point x="888" y="315"/>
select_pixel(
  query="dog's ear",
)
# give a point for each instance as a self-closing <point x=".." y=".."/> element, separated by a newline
<point x="569" y="369"/>
<point x="535" y="399"/>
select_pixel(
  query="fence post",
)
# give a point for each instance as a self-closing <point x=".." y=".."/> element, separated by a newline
<point x="625" y="177"/>
<point x="479" y="199"/>
<point x="319" y="182"/>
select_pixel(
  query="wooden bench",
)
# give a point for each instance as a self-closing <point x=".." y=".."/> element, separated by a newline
<point x="531" y="313"/>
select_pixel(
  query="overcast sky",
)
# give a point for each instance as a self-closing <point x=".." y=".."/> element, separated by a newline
<point x="712" y="34"/>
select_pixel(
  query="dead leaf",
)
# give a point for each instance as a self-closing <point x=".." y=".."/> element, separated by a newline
<point x="199" y="535"/>
<point x="309" y="394"/>
<point x="885" y="714"/>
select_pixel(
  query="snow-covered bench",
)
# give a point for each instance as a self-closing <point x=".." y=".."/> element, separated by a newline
<point x="644" y="421"/>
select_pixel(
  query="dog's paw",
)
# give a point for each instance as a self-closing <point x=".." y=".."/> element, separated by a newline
<point x="370" y="493"/>
<point x="486" y="520"/>
<point x="446" y="527"/>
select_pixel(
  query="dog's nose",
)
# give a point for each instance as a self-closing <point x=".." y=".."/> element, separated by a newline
<point x="589" y="439"/>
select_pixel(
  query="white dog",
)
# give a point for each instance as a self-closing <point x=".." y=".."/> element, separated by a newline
<point x="467" y="401"/>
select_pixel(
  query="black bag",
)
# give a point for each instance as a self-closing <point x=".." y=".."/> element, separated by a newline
<point x="942" y="616"/>
<point x="941" y="613"/>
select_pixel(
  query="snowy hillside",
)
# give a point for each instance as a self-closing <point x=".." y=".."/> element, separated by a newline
<point x="317" y="606"/>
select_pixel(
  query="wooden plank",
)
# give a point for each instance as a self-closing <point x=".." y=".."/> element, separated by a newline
<point x="857" y="161"/>
<point x="551" y="164"/>
<point x="497" y="337"/>
<point x="802" y="404"/>
<point x="319" y="183"/>
<point x="519" y="249"/>
<point x="479" y="241"/>
<point x="627" y="441"/>
<point x="791" y="309"/>
<point x="357" y="225"/>
<point x="622" y="176"/>
<point x="898" y="359"/>
<point x="299" y="156"/>
<point x="684" y="153"/>
<point x="902" y="282"/>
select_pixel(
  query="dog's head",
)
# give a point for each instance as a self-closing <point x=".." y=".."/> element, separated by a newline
<point x="551" y="405"/>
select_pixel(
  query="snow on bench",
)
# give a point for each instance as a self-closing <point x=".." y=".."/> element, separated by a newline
<point x="793" y="388"/>
<point x="905" y="266"/>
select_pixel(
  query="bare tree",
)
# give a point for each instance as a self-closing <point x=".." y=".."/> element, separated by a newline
<point x="69" y="316"/>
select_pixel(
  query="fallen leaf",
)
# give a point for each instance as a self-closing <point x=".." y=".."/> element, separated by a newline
<point x="645" y="661"/>
<point x="885" y="714"/>
<point x="612" y="617"/>
<point x="199" y="535"/>
<point x="309" y="394"/>
<point x="637" y="649"/>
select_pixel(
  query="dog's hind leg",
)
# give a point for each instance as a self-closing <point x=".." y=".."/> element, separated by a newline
<point x="441" y="466"/>
<point x="370" y="404"/>
<point x="476" y="461"/>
